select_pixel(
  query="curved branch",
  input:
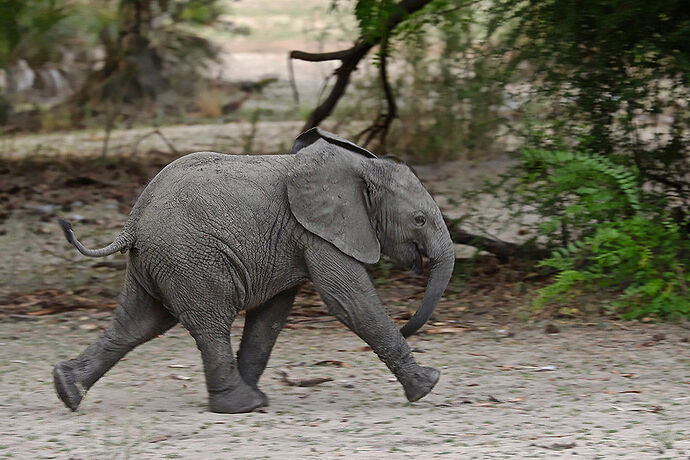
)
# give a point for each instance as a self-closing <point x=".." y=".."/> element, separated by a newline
<point x="350" y="58"/>
<point x="293" y="83"/>
<point x="343" y="73"/>
<point x="387" y="90"/>
<point x="383" y="122"/>
<point x="321" y="57"/>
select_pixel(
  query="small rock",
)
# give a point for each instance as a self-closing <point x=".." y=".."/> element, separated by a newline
<point x="88" y="326"/>
<point x="44" y="230"/>
<point x="546" y="369"/>
<point x="43" y="209"/>
<point x="551" y="329"/>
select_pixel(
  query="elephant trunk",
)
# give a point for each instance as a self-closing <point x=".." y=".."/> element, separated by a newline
<point x="442" y="260"/>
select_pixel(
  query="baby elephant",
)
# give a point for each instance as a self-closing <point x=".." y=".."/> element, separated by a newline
<point x="214" y="234"/>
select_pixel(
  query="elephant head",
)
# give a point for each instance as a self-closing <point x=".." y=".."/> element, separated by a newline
<point x="366" y="206"/>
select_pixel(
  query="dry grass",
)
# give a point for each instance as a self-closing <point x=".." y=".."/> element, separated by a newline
<point x="208" y="101"/>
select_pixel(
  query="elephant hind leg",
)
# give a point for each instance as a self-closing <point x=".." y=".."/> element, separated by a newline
<point x="261" y="328"/>
<point x="137" y="319"/>
<point x="210" y="326"/>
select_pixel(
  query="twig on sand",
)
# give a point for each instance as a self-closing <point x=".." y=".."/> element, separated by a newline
<point x="302" y="382"/>
<point x="159" y="133"/>
<point x="481" y="354"/>
<point x="549" y="436"/>
<point x="18" y="316"/>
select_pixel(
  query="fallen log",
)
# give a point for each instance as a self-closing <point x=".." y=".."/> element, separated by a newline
<point x="503" y="250"/>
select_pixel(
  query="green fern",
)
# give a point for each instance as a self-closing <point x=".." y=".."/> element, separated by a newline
<point x="578" y="165"/>
<point x="616" y="241"/>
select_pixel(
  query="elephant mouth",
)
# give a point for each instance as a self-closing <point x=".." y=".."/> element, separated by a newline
<point x="418" y="262"/>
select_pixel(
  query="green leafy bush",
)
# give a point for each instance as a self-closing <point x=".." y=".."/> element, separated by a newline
<point x="574" y="191"/>
<point x="34" y="30"/>
<point x="608" y="77"/>
<point x="610" y="237"/>
<point x="641" y="257"/>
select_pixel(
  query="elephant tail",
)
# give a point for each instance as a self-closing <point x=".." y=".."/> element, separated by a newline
<point x="122" y="243"/>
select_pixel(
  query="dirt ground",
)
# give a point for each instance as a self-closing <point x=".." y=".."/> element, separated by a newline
<point x="600" y="390"/>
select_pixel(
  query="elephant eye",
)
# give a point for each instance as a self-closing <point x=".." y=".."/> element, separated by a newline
<point x="420" y="220"/>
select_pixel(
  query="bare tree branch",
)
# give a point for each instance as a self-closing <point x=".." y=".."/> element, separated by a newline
<point x="382" y="123"/>
<point x="350" y="58"/>
<point x="342" y="74"/>
<point x="293" y="83"/>
<point x="392" y="112"/>
<point x="321" y="57"/>
<point x="159" y="133"/>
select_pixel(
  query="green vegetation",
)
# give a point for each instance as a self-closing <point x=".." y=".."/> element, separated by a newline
<point x="614" y="83"/>
<point x="151" y="50"/>
<point x="610" y="237"/>
<point x="35" y="29"/>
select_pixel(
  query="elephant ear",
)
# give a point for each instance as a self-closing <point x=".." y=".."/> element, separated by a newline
<point x="314" y="134"/>
<point x="328" y="197"/>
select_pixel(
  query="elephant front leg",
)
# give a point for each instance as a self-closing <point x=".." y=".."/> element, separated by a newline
<point x="345" y="287"/>
<point x="261" y="328"/>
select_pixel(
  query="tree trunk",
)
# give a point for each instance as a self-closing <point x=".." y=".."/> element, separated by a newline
<point x="132" y="71"/>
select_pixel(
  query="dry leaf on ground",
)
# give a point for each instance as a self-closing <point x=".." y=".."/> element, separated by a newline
<point x="332" y="362"/>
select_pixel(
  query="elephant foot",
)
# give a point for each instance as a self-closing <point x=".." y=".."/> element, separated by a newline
<point x="69" y="390"/>
<point x="264" y="398"/>
<point x="237" y="401"/>
<point x="420" y="382"/>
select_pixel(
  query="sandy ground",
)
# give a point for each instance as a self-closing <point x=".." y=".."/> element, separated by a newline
<point x="602" y="390"/>
<point x="270" y="137"/>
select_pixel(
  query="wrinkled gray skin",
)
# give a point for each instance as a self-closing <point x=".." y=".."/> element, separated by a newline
<point x="214" y="234"/>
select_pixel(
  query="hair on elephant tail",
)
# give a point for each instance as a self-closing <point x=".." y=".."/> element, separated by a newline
<point x="122" y="243"/>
